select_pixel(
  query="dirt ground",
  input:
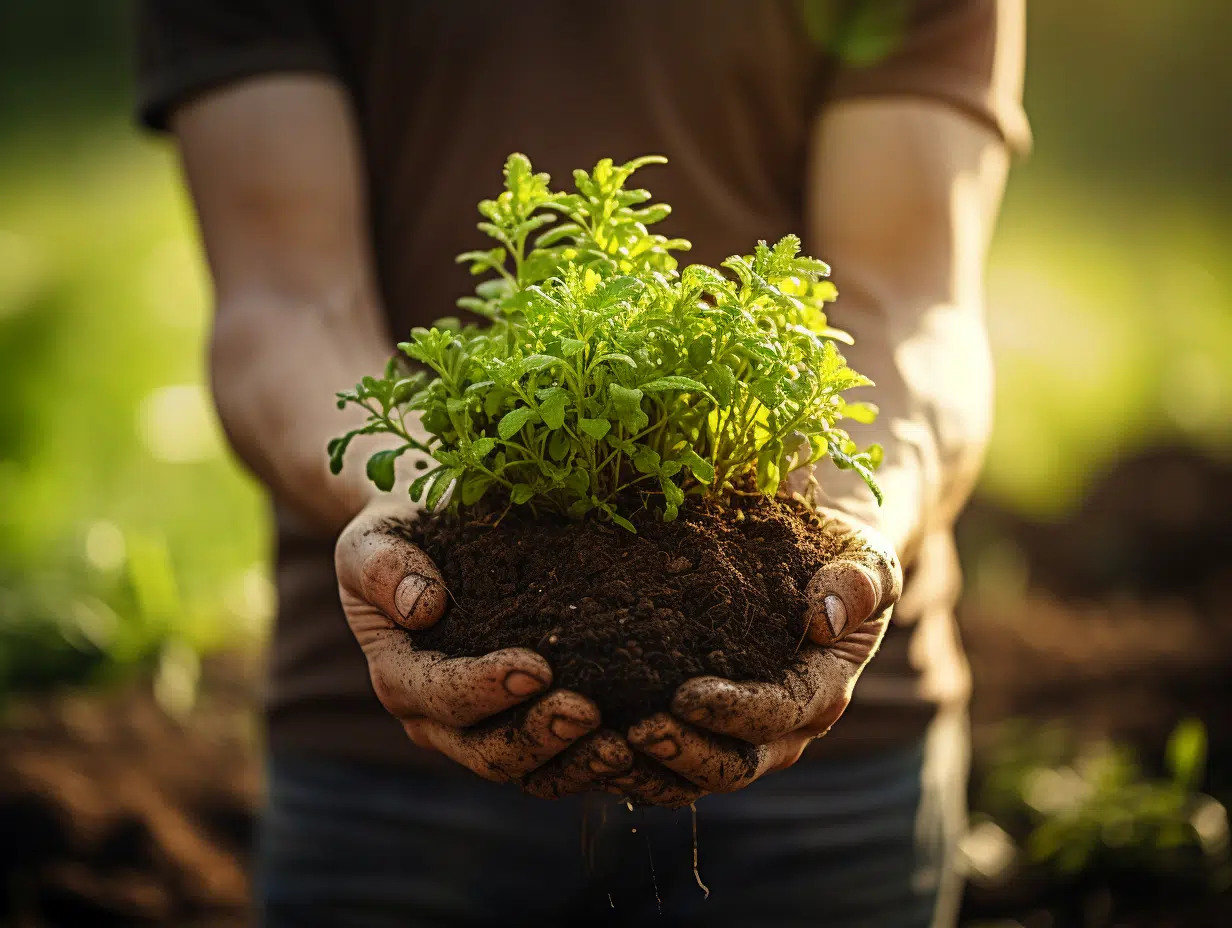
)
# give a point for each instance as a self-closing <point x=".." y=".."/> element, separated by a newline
<point x="1116" y="622"/>
<point x="113" y="813"/>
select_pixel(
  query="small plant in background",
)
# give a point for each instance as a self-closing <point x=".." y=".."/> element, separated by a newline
<point x="1099" y="812"/>
<point x="603" y="370"/>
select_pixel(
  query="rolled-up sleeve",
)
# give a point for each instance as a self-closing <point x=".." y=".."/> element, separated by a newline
<point x="965" y="53"/>
<point x="186" y="48"/>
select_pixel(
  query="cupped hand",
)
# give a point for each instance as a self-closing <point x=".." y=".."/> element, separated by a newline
<point x="390" y="587"/>
<point x="721" y="735"/>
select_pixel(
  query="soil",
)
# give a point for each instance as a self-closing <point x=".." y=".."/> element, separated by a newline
<point x="113" y="813"/>
<point x="626" y="618"/>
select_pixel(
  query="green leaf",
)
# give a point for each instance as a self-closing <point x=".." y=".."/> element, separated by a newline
<point x="578" y="481"/>
<point x="439" y="487"/>
<point x="423" y="482"/>
<point x="381" y="469"/>
<point x="557" y="234"/>
<point x="337" y="452"/>
<point x="558" y="445"/>
<point x="537" y="362"/>
<point x="860" y="412"/>
<point x="866" y="475"/>
<point x="1186" y="754"/>
<point x="674" y="382"/>
<point x="673" y="496"/>
<point x="627" y="403"/>
<point x="511" y="423"/>
<point x="474" y="486"/>
<point x="617" y="290"/>
<point x="595" y="428"/>
<point x="571" y="346"/>
<point x="618" y="518"/>
<point x="699" y="351"/>
<point x="552" y="409"/>
<point x="768" y="474"/>
<point x="521" y="493"/>
<point x="645" y="460"/>
<point x="482" y="447"/>
<point x="768" y="392"/>
<point x="722" y="382"/>
<point x="578" y="508"/>
<point x="701" y="468"/>
<point x="482" y="261"/>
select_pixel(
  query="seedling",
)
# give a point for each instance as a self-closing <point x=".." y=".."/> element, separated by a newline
<point x="605" y="377"/>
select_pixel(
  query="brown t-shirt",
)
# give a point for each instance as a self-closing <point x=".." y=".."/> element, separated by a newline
<point x="727" y="89"/>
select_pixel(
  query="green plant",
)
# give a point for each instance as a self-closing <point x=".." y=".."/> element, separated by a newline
<point x="1098" y="808"/>
<point x="604" y="371"/>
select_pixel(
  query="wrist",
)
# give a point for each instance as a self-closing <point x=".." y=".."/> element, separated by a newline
<point x="897" y="519"/>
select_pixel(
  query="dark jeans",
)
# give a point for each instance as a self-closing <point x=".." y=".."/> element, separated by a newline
<point x="845" y="843"/>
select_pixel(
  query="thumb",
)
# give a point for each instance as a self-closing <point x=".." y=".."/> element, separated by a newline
<point x="853" y="588"/>
<point x="378" y="567"/>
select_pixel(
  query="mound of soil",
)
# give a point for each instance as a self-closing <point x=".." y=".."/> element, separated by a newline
<point x="626" y="618"/>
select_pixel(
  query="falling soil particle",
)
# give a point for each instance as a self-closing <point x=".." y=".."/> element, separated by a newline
<point x="625" y="618"/>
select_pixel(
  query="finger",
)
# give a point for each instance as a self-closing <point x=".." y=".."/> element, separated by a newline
<point x="651" y="784"/>
<point x="840" y="597"/>
<point x="456" y="691"/>
<point x="861" y="584"/>
<point x="379" y="568"/>
<point x="812" y="696"/>
<point x="716" y="763"/>
<point x="511" y="750"/>
<point x="582" y="767"/>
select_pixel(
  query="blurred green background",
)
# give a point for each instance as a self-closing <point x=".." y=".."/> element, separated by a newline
<point x="1110" y="299"/>
<point x="130" y="540"/>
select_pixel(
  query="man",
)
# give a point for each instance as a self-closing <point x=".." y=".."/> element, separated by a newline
<point x="335" y="152"/>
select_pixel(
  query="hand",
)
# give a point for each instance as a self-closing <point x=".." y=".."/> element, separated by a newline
<point x="721" y="736"/>
<point x="388" y="587"/>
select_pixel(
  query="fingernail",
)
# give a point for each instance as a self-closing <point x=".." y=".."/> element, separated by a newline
<point x="836" y="613"/>
<point x="663" y="749"/>
<point x="567" y="729"/>
<point x="409" y="590"/>
<point x="520" y="683"/>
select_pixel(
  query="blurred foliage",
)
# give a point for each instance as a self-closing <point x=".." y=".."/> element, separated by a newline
<point x="128" y="536"/>
<point x="126" y="532"/>
<point x="1078" y="806"/>
<point x="1088" y="815"/>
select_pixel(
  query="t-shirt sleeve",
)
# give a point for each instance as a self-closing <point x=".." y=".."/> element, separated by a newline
<point x="965" y="53"/>
<point x="188" y="47"/>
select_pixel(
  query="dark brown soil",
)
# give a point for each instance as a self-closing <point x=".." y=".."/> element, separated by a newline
<point x="114" y="814"/>
<point x="624" y="618"/>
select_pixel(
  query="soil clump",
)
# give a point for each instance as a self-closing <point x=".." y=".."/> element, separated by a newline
<point x="625" y="618"/>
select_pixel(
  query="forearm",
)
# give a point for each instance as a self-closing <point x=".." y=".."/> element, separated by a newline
<point x="934" y="392"/>
<point x="904" y="197"/>
<point x="275" y="365"/>
<point x="274" y="167"/>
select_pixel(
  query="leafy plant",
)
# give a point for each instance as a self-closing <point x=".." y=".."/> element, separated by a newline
<point x="1099" y="809"/>
<point x="603" y="370"/>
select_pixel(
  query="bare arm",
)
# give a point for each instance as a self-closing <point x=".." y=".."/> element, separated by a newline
<point x="902" y="200"/>
<point x="275" y="175"/>
<point x="274" y="171"/>
<point x="903" y="197"/>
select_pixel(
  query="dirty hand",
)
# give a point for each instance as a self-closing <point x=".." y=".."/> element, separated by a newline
<point x="721" y="735"/>
<point x="389" y="587"/>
